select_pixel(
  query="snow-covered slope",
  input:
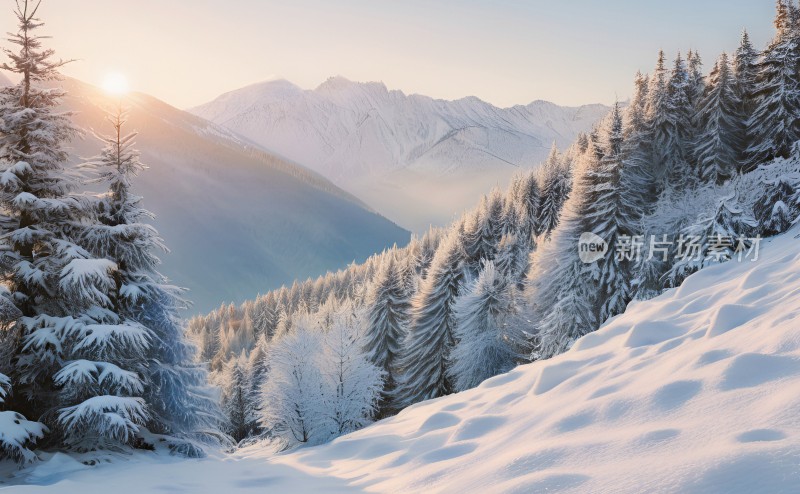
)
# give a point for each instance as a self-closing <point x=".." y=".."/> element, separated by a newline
<point x="239" y="220"/>
<point x="416" y="159"/>
<point x="695" y="391"/>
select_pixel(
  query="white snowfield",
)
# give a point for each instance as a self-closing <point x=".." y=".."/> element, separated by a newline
<point x="696" y="391"/>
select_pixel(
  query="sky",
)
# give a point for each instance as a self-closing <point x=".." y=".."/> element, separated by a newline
<point x="187" y="52"/>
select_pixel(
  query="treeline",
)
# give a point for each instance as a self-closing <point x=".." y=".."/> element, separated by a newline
<point x="695" y="163"/>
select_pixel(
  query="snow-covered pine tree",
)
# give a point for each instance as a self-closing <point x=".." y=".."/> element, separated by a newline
<point x="561" y="293"/>
<point x="554" y="192"/>
<point x="669" y="116"/>
<point x="721" y="234"/>
<point x="487" y="345"/>
<point x="388" y="313"/>
<point x="526" y="199"/>
<point x="73" y="347"/>
<point x="776" y="208"/>
<point x="696" y="85"/>
<point x="143" y="302"/>
<point x="677" y="154"/>
<point x="607" y="215"/>
<point x="719" y="122"/>
<point x="236" y="400"/>
<point x="745" y="71"/>
<point x="430" y="336"/>
<point x="637" y="180"/>
<point x="775" y="123"/>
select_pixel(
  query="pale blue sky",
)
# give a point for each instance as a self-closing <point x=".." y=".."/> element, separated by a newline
<point x="504" y="51"/>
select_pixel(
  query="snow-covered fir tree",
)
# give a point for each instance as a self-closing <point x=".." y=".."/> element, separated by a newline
<point x="745" y="71"/>
<point x="487" y="344"/>
<point x="388" y="313"/>
<point x="719" y="120"/>
<point x="430" y="336"/>
<point x="142" y="300"/>
<point x="554" y="192"/>
<point x="72" y="353"/>
<point x="775" y="122"/>
<point x="608" y="215"/>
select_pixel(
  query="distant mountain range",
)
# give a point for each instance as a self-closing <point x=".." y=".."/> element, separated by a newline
<point x="239" y="220"/>
<point x="415" y="159"/>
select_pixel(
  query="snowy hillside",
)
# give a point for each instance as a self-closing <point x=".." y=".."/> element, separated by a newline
<point x="415" y="159"/>
<point x="250" y="220"/>
<point x="694" y="391"/>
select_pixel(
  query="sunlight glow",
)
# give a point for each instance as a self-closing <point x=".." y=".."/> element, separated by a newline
<point x="116" y="83"/>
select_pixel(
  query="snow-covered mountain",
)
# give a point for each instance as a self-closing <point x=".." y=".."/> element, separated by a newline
<point x="416" y="159"/>
<point x="239" y="220"/>
<point x="692" y="392"/>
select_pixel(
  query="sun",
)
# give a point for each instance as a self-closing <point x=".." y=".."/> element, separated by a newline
<point x="116" y="83"/>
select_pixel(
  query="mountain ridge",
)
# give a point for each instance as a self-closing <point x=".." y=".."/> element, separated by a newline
<point x="276" y="213"/>
<point x="415" y="159"/>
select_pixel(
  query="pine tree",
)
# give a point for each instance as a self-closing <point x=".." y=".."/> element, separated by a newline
<point x="696" y="86"/>
<point x="487" y="344"/>
<point x="73" y="346"/>
<point x="526" y="199"/>
<point x="236" y="401"/>
<point x="745" y="71"/>
<point x="554" y="192"/>
<point x="430" y="337"/>
<point x="776" y="209"/>
<point x="143" y="301"/>
<point x="637" y="181"/>
<point x="561" y="294"/>
<point x="388" y="314"/>
<point x="669" y="114"/>
<point x="775" y="123"/>
<point x="607" y="215"/>
<point x="719" y="121"/>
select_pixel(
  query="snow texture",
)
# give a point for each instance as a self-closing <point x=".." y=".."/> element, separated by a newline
<point x="691" y="392"/>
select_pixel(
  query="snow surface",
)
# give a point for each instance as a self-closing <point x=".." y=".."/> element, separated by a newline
<point x="695" y="391"/>
<point x="416" y="159"/>
<point x="281" y="221"/>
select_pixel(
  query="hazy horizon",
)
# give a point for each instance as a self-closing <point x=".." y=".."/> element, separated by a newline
<point x="506" y="53"/>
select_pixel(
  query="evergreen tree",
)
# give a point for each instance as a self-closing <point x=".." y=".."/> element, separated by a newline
<point x="745" y="71"/>
<point x="719" y="121"/>
<point x="487" y="344"/>
<point x="73" y="347"/>
<point x="174" y="387"/>
<point x="775" y="123"/>
<point x="637" y="181"/>
<point x="388" y="309"/>
<point x="555" y="190"/>
<point x="561" y="292"/>
<point x="776" y="209"/>
<point x="606" y="214"/>
<point x="696" y="86"/>
<point x="430" y="337"/>
<point x="236" y="402"/>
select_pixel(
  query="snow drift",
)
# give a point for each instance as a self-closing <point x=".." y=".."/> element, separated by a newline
<point x="694" y="391"/>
